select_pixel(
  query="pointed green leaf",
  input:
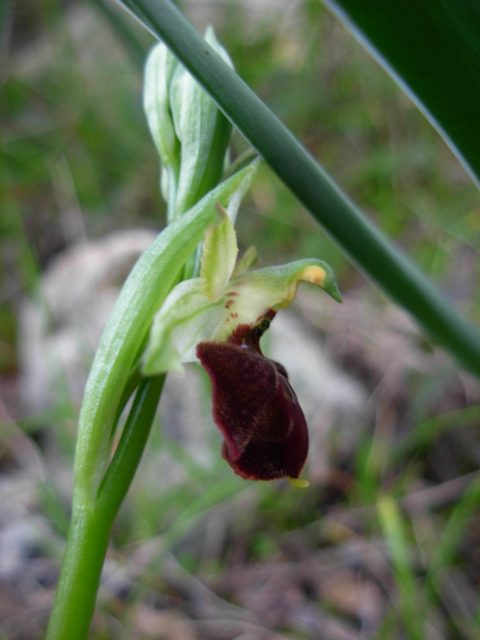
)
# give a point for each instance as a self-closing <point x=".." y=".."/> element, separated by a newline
<point x="432" y="49"/>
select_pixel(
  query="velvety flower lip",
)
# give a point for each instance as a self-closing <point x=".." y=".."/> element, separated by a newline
<point x="254" y="406"/>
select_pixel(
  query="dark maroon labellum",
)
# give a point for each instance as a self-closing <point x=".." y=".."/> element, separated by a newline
<point x="255" y="407"/>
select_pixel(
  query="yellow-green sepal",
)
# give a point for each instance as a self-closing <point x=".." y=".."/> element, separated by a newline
<point x="219" y="255"/>
<point x="186" y="318"/>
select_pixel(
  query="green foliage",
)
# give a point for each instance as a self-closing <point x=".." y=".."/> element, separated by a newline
<point x="433" y="49"/>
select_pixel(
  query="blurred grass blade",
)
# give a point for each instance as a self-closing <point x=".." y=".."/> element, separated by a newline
<point x="212" y="496"/>
<point x="349" y="226"/>
<point x="137" y="49"/>
<point x="432" y="49"/>
<point x="454" y="532"/>
<point x="425" y="432"/>
<point x="394" y="534"/>
<point x="6" y="19"/>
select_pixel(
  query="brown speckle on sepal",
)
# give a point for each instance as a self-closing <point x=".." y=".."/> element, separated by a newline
<point x="257" y="411"/>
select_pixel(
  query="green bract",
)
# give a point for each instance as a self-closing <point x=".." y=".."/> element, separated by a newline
<point x="188" y="317"/>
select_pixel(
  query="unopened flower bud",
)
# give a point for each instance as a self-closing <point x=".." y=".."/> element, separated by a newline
<point x="204" y="133"/>
<point x="159" y="71"/>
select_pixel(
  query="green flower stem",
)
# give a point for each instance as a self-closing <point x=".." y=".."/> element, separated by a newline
<point x="343" y="220"/>
<point x="79" y="579"/>
<point x="89" y="531"/>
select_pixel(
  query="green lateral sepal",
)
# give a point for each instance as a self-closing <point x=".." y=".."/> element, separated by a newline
<point x="219" y="254"/>
<point x="247" y="261"/>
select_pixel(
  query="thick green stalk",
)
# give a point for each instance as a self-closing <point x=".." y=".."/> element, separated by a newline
<point x="90" y="529"/>
<point x="344" y="221"/>
<point x="79" y="579"/>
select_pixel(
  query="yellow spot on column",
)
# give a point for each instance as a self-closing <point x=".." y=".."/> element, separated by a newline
<point x="313" y="274"/>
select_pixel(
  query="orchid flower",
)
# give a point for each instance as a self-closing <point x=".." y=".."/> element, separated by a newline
<point x="218" y="319"/>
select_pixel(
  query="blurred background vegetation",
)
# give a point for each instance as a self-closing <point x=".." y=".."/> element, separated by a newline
<point x="385" y="542"/>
